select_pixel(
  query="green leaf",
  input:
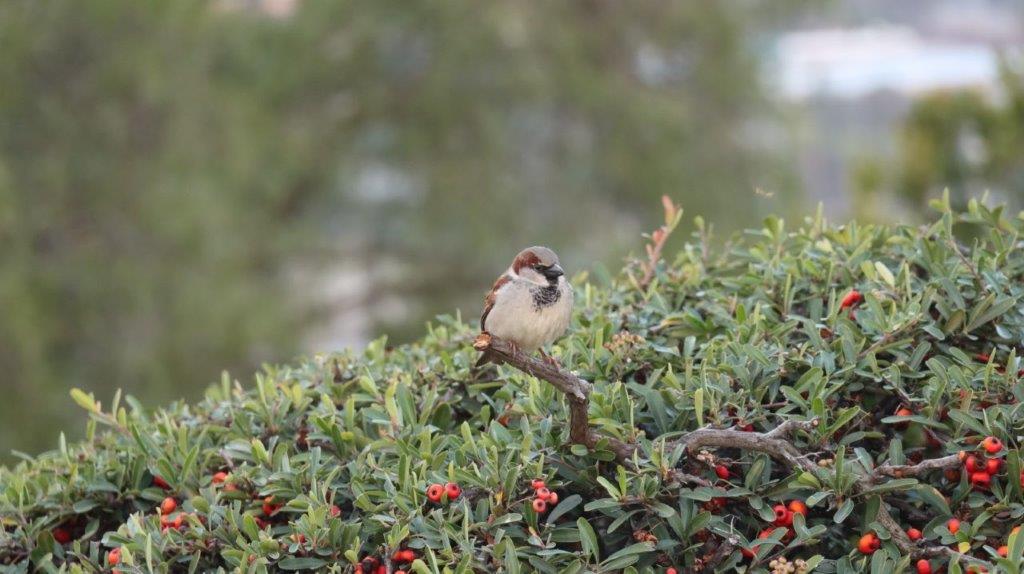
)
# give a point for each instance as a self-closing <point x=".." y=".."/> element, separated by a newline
<point x="588" y="539"/>
<point x="564" y="505"/>
<point x="305" y="563"/>
<point x="844" y="511"/>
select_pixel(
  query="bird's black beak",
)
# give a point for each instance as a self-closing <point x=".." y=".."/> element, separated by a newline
<point x="553" y="273"/>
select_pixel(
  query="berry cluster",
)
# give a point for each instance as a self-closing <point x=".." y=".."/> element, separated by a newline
<point x="168" y="519"/>
<point x="783" y="519"/>
<point x="438" y="492"/>
<point x="981" y="470"/>
<point x="372" y="565"/>
<point x="543" y="496"/>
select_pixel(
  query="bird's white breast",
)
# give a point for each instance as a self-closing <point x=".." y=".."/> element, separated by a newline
<point x="516" y="316"/>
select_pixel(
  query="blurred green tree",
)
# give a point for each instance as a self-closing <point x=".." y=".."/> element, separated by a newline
<point x="178" y="177"/>
<point x="966" y="141"/>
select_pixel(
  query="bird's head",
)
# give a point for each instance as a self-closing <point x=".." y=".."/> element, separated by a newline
<point x="538" y="265"/>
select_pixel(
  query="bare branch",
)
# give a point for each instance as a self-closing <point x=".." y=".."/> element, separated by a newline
<point x="905" y="470"/>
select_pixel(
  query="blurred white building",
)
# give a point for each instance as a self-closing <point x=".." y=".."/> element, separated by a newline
<point x="854" y="63"/>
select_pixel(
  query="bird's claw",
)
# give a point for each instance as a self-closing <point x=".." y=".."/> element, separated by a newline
<point x="550" y="360"/>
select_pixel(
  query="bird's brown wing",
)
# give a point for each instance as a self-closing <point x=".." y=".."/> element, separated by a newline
<point x="491" y="297"/>
<point x="489" y="300"/>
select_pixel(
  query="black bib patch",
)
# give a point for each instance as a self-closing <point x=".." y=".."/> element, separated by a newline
<point x="545" y="296"/>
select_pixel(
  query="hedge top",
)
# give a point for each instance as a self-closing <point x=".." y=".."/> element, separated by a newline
<point x="328" y="462"/>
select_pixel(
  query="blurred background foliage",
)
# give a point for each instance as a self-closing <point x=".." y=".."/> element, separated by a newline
<point x="193" y="185"/>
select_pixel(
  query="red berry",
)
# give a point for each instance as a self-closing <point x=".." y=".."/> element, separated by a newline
<point x="783" y="517"/>
<point x="553" y="498"/>
<point x="924" y="567"/>
<point x="406" y="555"/>
<point x="435" y="492"/>
<point x="904" y="412"/>
<point x="753" y="549"/>
<point x="798" y="507"/>
<point x="992" y="445"/>
<point x="543" y="492"/>
<point x="993" y="465"/>
<point x="913" y="534"/>
<point x="868" y="543"/>
<point x="334" y="511"/>
<point x="981" y="479"/>
<point x="670" y="571"/>
<point x="722" y="471"/>
<point x="537" y="483"/>
<point x="61" y="535"/>
<point x="852" y="298"/>
<point x="953" y="525"/>
<point x="114" y="556"/>
<point x="539" y="505"/>
<point x="219" y="478"/>
<point x="973" y="464"/>
<point x="382" y="569"/>
<point x="1003" y="550"/>
<point x="168" y="505"/>
<point x="399" y="571"/>
<point x="269" y="507"/>
<point x="160" y="482"/>
<point x="452" y="490"/>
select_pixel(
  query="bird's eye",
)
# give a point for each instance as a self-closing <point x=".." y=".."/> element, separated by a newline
<point x="540" y="267"/>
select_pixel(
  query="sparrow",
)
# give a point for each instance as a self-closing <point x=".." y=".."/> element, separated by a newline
<point x="530" y="304"/>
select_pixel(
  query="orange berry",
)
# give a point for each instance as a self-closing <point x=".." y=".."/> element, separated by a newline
<point x="798" y="507"/>
<point x="868" y="543"/>
<point x="1015" y="530"/>
<point x="219" y="477"/>
<point x="434" y="493"/>
<point x="539" y="505"/>
<point x="924" y="567"/>
<point x="953" y="525"/>
<point x="974" y="464"/>
<point x="1003" y="550"/>
<point x="852" y="298"/>
<point x="114" y="556"/>
<point x="993" y="465"/>
<point x="913" y="534"/>
<point x="168" y="505"/>
<point x="992" y="445"/>
<point x="783" y="517"/>
<point x="452" y="490"/>
<point x="269" y="507"/>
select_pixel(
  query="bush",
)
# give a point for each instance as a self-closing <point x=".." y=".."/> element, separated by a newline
<point x="724" y="384"/>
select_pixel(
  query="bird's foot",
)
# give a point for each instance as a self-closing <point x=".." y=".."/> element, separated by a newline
<point x="550" y="360"/>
